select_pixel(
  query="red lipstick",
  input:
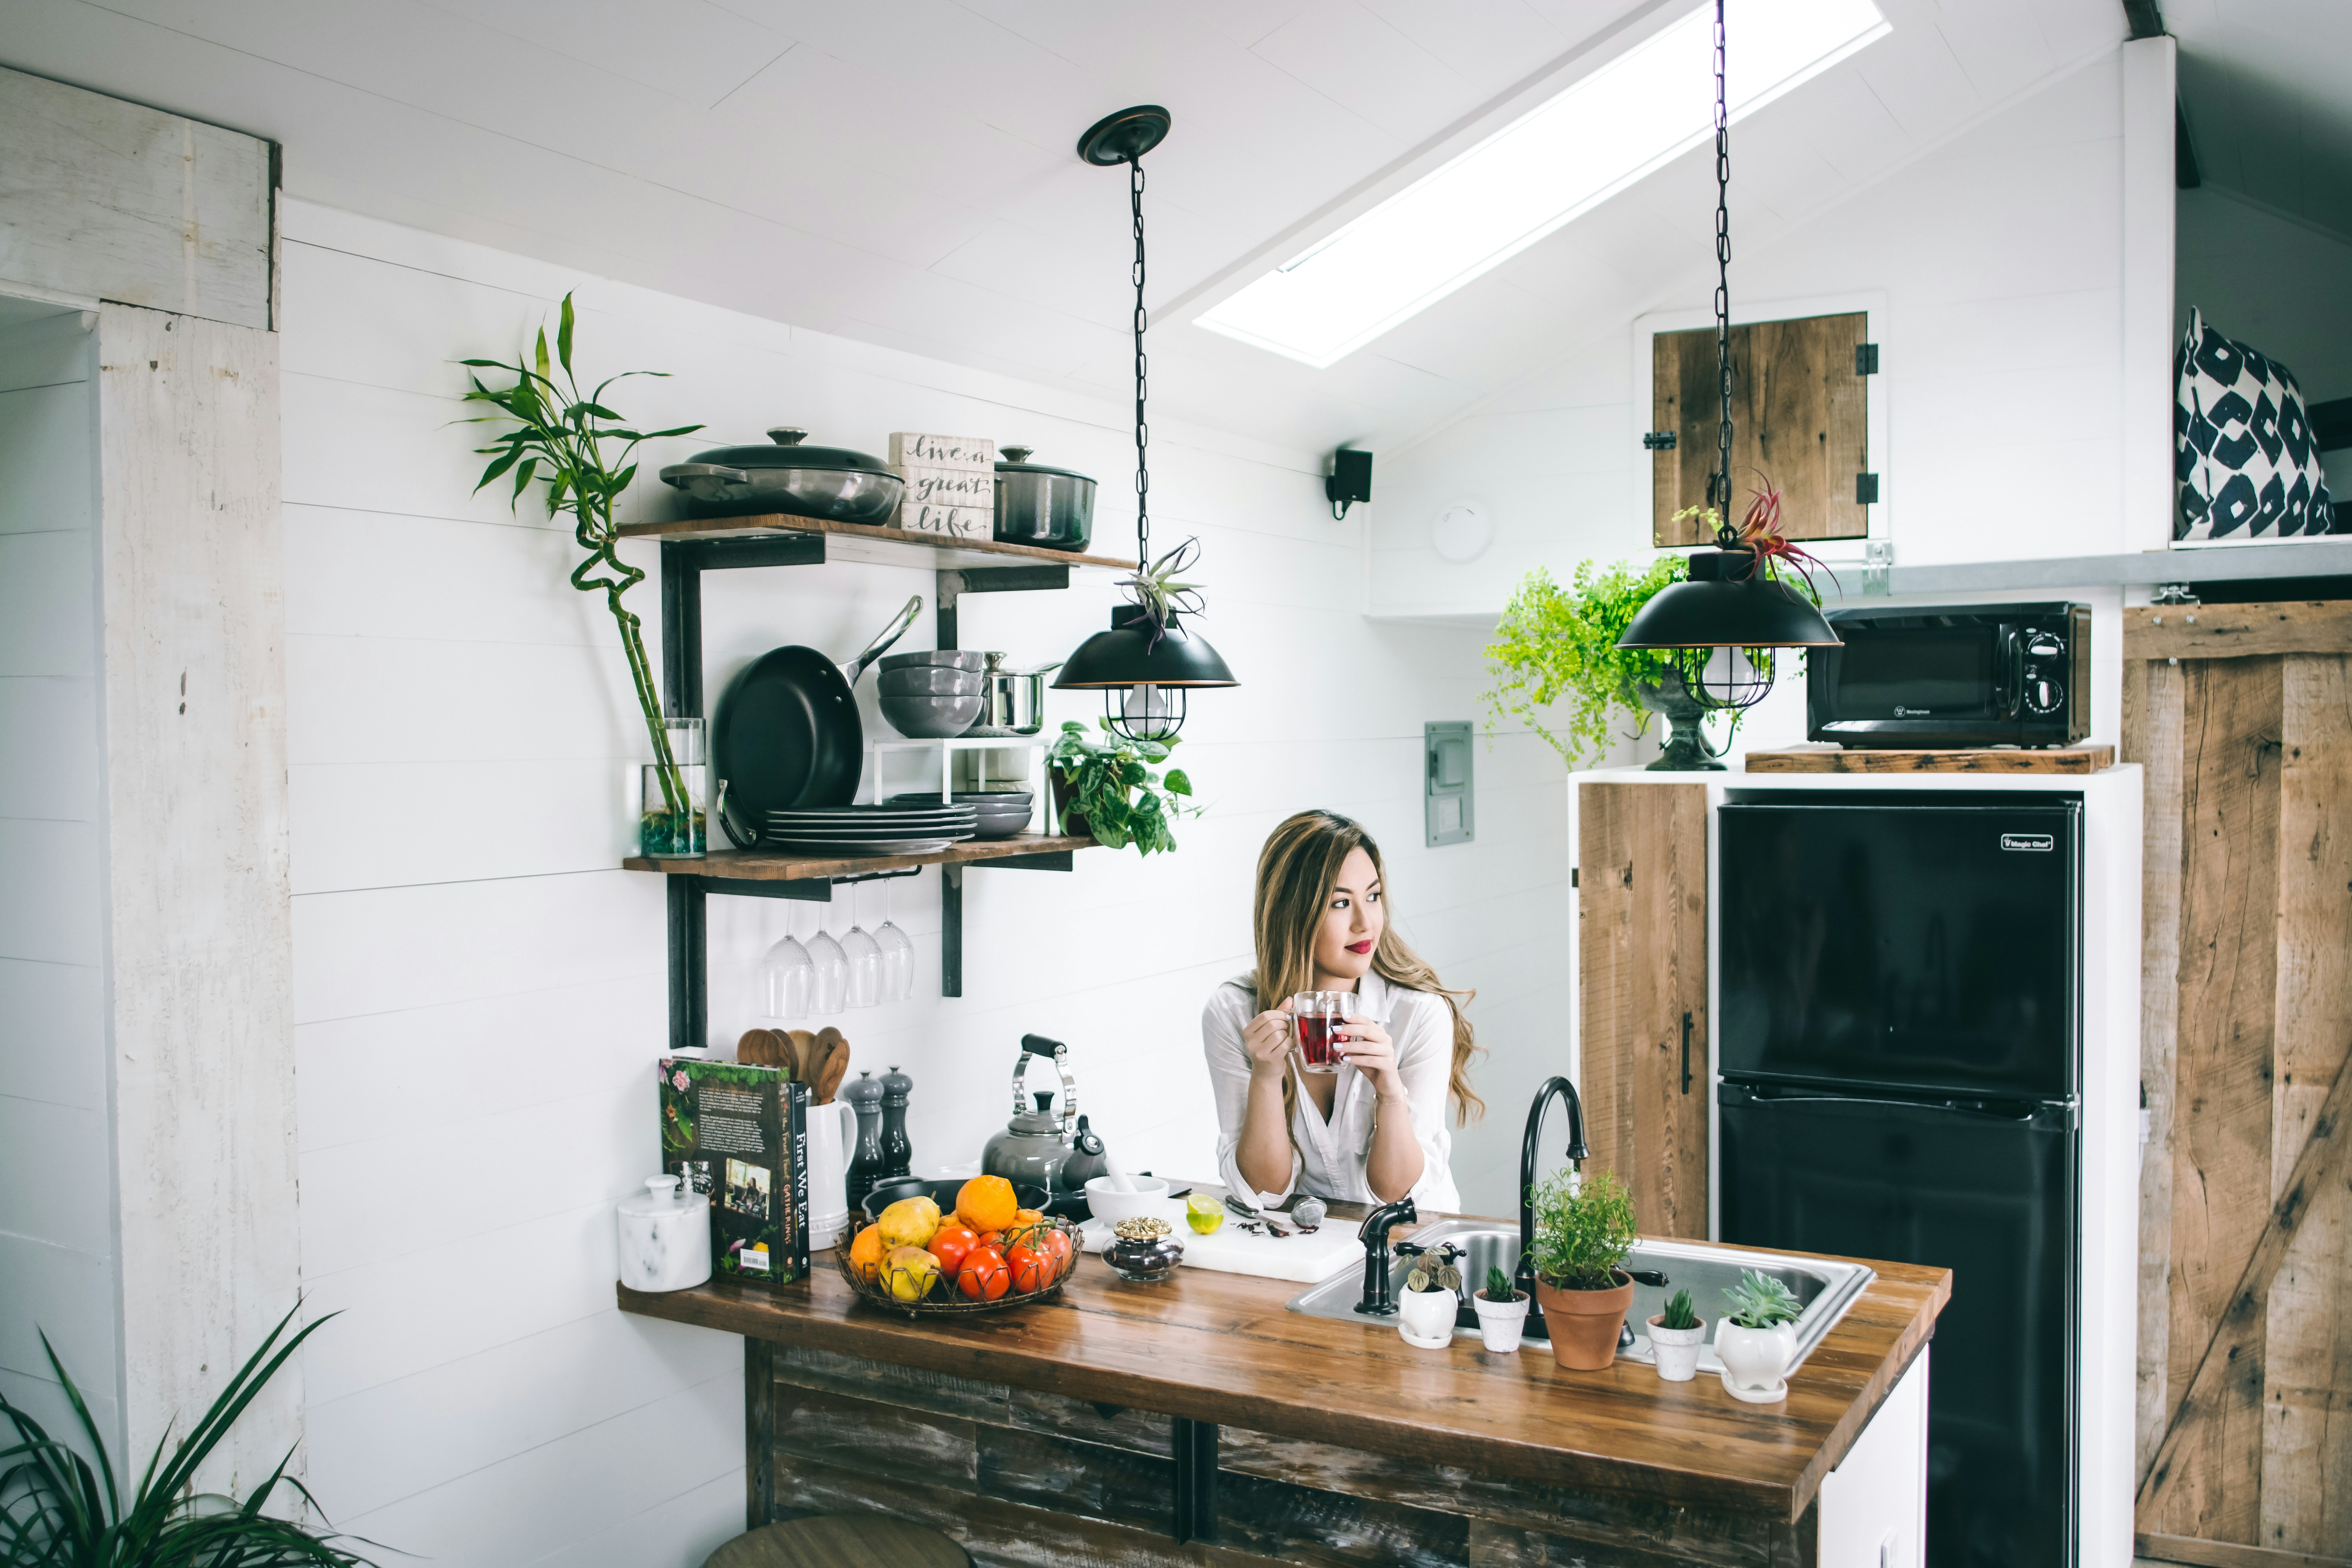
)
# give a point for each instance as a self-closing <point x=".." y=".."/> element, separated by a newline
<point x="1364" y="946"/>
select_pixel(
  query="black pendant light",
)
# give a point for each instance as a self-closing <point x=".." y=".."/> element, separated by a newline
<point x="1723" y="624"/>
<point x="1147" y="662"/>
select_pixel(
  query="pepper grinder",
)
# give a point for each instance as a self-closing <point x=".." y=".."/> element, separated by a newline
<point x="898" y="1154"/>
<point x="864" y="1098"/>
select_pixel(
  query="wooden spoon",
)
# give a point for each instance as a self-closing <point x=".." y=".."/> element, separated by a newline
<point x="805" y="1055"/>
<point x="760" y="1048"/>
<point x="833" y="1049"/>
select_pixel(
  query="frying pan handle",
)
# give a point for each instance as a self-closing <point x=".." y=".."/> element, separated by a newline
<point x="726" y="823"/>
<point x="881" y="645"/>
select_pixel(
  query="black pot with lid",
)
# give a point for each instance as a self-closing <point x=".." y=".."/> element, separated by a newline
<point x="832" y="483"/>
<point x="1040" y="505"/>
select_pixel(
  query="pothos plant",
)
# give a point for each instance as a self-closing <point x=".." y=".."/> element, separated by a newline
<point x="1112" y="784"/>
<point x="580" y="450"/>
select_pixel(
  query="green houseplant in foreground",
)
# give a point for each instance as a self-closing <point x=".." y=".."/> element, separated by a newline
<point x="1558" y="644"/>
<point x="1583" y="1231"/>
<point x="1108" y="788"/>
<point x="58" y="1513"/>
<point x="580" y="450"/>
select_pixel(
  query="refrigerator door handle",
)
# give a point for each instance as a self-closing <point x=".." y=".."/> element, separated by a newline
<point x="1984" y="1111"/>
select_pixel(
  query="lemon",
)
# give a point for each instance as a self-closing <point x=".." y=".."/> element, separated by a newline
<point x="1204" y="1213"/>
<point x="909" y="1273"/>
<point x="909" y="1222"/>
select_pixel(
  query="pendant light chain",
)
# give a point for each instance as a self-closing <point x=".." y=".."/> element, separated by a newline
<point x="1719" y="484"/>
<point x="1142" y="382"/>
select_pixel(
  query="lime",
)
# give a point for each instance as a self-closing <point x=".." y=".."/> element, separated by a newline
<point x="1204" y="1213"/>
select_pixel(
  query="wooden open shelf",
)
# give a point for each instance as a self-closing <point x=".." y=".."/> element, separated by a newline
<point x="763" y="865"/>
<point x="871" y="543"/>
<point x="2082" y="759"/>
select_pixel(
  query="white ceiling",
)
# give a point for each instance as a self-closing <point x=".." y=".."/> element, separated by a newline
<point x="903" y="172"/>
<point x="2267" y="86"/>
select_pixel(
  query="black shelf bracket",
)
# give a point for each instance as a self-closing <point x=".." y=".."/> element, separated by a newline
<point x="1195" y="1443"/>
<point x="683" y="562"/>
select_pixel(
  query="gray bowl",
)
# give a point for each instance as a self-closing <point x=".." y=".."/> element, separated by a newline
<point x="929" y="716"/>
<point x="948" y="657"/>
<point x="929" y="680"/>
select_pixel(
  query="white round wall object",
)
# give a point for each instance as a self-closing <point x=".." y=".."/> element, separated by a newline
<point x="1461" y="531"/>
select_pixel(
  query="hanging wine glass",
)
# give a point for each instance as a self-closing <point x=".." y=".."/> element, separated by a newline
<point x="898" y="953"/>
<point x="785" y="973"/>
<point x="830" y="984"/>
<point x="864" y="959"/>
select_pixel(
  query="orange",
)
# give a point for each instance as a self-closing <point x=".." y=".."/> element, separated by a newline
<point x="986" y="1203"/>
<point x="866" y="1254"/>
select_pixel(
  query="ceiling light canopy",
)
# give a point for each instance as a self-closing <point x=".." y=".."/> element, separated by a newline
<point x="1612" y="127"/>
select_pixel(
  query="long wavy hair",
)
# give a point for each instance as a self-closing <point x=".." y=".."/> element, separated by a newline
<point x="1296" y="873"/>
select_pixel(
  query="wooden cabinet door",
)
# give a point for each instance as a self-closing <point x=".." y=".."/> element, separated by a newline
<point x="1797" y="415"/>
<point x="1642" y="882"/>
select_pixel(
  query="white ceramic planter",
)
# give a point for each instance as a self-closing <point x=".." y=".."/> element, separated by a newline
<point x="1425" y="1318"/>
<point x="1501" y="1324"/>
<point x="1754" y="1359"/>
<point x="1676" y="1350"/>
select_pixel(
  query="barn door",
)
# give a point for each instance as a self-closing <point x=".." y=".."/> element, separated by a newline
<point x="1798" y="417"/>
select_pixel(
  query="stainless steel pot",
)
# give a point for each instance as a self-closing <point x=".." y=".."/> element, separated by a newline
<point x="1038" y="505"/>
<point x="1011" y="701"/>
<point x="833" y="483"/>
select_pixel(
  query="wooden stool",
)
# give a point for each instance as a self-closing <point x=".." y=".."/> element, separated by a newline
<point x="841" y="1541"/>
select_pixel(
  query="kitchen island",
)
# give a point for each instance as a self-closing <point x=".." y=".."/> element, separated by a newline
<point x="1199" y="1422"/>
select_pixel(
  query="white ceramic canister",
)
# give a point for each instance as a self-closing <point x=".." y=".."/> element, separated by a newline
<point x="832" y="1139"/>
<point x="665" y="1237"/>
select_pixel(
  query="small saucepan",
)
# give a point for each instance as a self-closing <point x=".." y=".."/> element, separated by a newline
<point x="1012" y="701"/>
<point x="832" y="483"/>
<point x="1038" y="505"/>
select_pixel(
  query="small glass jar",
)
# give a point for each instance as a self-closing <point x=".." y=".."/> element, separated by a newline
<point x="1144" y="1251"/>
<point x="672" y="800"/>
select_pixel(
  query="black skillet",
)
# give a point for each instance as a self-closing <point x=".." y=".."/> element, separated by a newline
<point x="787" y="735"/>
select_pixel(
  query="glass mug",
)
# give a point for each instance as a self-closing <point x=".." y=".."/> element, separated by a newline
<point x="1315" y="1017"/>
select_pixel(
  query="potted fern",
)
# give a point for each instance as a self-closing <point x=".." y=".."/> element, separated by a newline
<point x="1758" y="1338"/>
<point x="1583" y="1231"/>
<point x="1676" y="1336"/>
<point x="1431" y="1297"/>
<point x="1502" y="1311"/>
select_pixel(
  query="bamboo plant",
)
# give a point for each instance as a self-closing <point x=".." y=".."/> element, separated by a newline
<point x="566" y="439"/>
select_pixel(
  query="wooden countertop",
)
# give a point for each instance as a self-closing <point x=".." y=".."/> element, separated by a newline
<point x="1221" y="1348"/>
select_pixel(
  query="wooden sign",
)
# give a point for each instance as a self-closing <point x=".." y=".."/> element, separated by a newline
<point x="954" y="522"/>
<point x="910" y="449"/>
<point x="949" y="487"/>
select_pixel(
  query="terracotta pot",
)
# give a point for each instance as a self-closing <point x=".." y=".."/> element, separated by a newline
<point x="1584" y="1324"/>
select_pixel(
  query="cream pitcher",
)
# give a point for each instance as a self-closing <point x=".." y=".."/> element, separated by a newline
<point x="831" y="1138"/>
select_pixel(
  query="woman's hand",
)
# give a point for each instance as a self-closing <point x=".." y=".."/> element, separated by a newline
<point x="1267" y="1038"/>
<point x="1368" y="1048"/>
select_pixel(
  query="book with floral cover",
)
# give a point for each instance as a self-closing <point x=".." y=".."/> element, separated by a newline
<point x="738" y="1135"/>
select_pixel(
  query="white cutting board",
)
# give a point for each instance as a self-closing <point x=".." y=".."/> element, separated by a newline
<point x="1309" y="1260"/>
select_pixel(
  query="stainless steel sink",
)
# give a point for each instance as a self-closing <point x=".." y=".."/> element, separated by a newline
<point x="1826" y="1289"/>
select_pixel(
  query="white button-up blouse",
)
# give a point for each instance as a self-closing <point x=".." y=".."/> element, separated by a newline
<point x="1329" y="1157"/>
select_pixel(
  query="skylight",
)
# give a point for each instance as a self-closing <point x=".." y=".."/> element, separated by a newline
<point x="1611" y="128"/>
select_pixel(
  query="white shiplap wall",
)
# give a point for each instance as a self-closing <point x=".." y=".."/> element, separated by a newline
<point x="59" y="1266"/>
<point x="1998" y="256"/>
<point x="479" y="992"/>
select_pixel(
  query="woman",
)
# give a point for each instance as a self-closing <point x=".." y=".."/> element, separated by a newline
<point x="1375" y="1131"/>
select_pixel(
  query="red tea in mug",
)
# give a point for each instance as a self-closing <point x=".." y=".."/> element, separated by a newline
<point x="1318" y="1051"/>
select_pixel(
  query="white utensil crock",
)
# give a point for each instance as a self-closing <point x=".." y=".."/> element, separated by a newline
<point x="664" y="1237"/>
<point x="1754" y="1359"/>
<point x="831" y="1136"/>
<point x="1425" y="1318"/>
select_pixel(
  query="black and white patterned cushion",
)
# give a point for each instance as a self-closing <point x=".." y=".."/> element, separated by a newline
<point x="2243" y="457"/>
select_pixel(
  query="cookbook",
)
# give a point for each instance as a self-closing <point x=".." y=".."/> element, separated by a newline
<point x="739" y="1136"/>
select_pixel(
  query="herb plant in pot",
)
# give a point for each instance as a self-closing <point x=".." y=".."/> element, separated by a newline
<point x="1758" y="1338"/>
<point x="1582" y="1234"/>
<point x="1431" y="1298"/>
<point x="1502" y="1313"/>
<point x="1676" y="1336"/>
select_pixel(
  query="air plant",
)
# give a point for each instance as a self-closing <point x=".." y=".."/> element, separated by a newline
<point x="1778" y="557"/>
<point x="1155" y="589"/>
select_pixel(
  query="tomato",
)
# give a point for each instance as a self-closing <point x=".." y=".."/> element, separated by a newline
<point x="1033" y="1268"/>
<point x="1055" y="1245"/>
<point x="951" y="1243"/>
<point x="984" y="1275"/>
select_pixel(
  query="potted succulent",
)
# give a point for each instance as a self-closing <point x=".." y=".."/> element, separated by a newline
<point x="1676" y="1336"/>
<point x="1431" y="1298"/>
<point x="1108" y="788"/>
<point x="1502" y="1311"/>
<point x="1583" y="1232"/>
<point x="1758" y="1338"/>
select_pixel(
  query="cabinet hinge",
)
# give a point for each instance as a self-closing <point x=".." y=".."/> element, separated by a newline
<point x="1866" y="490"/>
<point x="1865" y="358"/>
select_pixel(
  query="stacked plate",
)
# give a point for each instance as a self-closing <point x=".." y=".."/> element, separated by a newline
<point x="1001" y="812"/>
<point x="870" y="829"/>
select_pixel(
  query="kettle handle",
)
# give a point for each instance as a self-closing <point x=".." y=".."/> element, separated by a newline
<point x="1032" y="1047"/>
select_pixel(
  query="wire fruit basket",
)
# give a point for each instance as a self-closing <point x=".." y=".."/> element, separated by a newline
<point x="945" y="1299"/>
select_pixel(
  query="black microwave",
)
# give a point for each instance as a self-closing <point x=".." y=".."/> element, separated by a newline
<point x="1963" y="674"/>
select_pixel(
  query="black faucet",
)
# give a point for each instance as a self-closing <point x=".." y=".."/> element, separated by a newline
<point x="1577" y="1155"/>
<point x="1375" y="1237"/>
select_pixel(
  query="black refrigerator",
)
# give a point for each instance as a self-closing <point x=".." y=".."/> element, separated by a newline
<point x="1899" y="1041"/>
